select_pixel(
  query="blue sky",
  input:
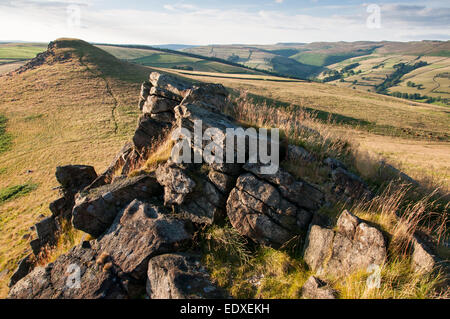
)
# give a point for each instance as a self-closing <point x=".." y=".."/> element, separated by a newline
<point x="203" y="22"/>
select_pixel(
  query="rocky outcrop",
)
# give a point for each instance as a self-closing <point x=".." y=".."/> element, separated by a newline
<point x="272" y="209"/>
<point x="24" y="268"/>
<point x="157" y="231"/>
<point x="180" y="276"/>
<point x="95" y="211"/>
<point x="424" y="260"/>
<point x="72" y="276"/>
<point x="349" y="186"/>
<point x="145" y="222"/>
<point x="354" y="246"/>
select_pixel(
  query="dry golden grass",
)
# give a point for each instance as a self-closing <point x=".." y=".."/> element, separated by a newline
<point x="411" y="136"/>
<point x="60" y="114"/>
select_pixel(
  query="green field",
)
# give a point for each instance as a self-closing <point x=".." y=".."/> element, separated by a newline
<point x="14" y="52"/>
<point x="159" y="59"/>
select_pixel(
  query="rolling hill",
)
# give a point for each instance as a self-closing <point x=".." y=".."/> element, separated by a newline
<point x="170" y="59"/>
<point x="359" y="65"/>
<point x="79" y="105"/>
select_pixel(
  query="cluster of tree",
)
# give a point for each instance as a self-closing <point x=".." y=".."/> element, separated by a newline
<point x="400" y="70"/>
<point x="350" y="67"/>
<point x="423" y="98"/>
<point x="414" y="85"/>
<point x="233" y="58"/>
<point x="183" y="67"/>
<point x="336" y="75"/>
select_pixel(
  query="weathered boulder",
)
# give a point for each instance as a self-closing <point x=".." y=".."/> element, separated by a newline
<point x="200" y="203"/>
<point x="156" y="104"/>
<point x="334" y="163"/>
<point x="145" y="92"/>
<point x="177" y="184"/>
<point x="208" y="95"/>
<point x="224" y="183"/>
<point x="299" y="192"/>
<point x="149" y="131"/>
<point x="72" y="276"/>
<point x="314" y="288"/>
<point x="318" y="247"/>
<point x="157" y="91"/>
<point x="73" y="178"/>
<point x="424" y="260"/>
<point x="24" y="268"/>
<point x="258" y="210"/>
<point x="141" y="231"/>
<point x="180" y="276"/>
<point x="95" y="211"/>
<point x="46" y="229"/>
<point x="347" y="250"/>
<point x="349" y="185"/>
<point x="61" y="207"/>
<point x="297" y="154"/>
<point x="169" y="83"/>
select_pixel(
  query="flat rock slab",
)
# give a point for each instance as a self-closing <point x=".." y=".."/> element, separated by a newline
<point x="72" y="276"/>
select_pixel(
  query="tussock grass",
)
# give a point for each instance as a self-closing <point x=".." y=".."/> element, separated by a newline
<point x="397" y="282"/>
<point x="67" y="239"/>
<point x="247" y="271"/>
<point x="5" y="138"/>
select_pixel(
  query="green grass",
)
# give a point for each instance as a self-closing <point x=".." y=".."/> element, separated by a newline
<point x="20" y="51"/>
<point x="5" y="138"/>
<point x="323" y="59"/>
<point x="12" y="192"/>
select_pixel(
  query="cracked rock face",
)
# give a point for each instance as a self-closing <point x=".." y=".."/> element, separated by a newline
<point x="58" y="280"/>
<point x="141" y="231"/>
<point x="95" y="212"/>
<point x="261" y="210"/>
<point x="354" y="246"/>
<point x="180" y="276"/>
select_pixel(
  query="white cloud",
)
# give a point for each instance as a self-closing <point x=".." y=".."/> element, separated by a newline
<point x="184" y="23"/>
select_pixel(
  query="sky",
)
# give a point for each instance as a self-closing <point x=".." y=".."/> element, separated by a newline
<point x="201" y="22"/>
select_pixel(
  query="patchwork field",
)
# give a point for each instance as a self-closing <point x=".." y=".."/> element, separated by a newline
<point x="161" y="59"/>
<point x="384" y="126"/>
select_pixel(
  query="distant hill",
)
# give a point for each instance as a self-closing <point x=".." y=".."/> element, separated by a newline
<point x="174" y="46"/>
<point x="170" y="59"/>
<point x="314" y="57"/>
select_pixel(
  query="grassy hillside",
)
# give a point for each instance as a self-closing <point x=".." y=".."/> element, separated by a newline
<point x="78" y="112"/>
<point x="413" y="136"/>
<point x="430" y="80"/>
<point x="172" y="60"/>
<point x="325" y="61"/>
